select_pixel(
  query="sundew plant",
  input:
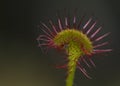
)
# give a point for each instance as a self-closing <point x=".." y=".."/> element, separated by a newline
<point x="79" y="43"/>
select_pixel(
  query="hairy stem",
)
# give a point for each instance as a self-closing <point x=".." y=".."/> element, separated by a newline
<point x="70" y="77"/>
<point x="74" y="53"/>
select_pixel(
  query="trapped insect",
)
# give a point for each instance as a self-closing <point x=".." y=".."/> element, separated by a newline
<point x="80" y="44"/>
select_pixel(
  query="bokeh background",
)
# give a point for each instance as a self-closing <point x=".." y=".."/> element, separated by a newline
<point x="23" y="64"/>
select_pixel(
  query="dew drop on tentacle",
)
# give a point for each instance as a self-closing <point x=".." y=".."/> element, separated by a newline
<point x="75" y="19"/>
<point x="92" y="27"/>
<point x="101" y="50"/>
<point x="93" y="35"/>
<point x="84" y="27"/>
<point x="101" y="37"/>
<point x="100" y="45"/>
<point x="53" y="27"/>
<point x="84" y="60"/>
<point x="48" y="29"/>
<point x="83" y="70"/>
<point x="80" y="22"/>
<point x="60" y="25"/>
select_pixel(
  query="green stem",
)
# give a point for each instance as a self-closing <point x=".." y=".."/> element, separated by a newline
<point x="74" y="53"/>
<point x="70" y="77"/>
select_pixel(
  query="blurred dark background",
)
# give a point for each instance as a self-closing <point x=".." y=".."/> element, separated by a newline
<point x="23" y="64"/>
